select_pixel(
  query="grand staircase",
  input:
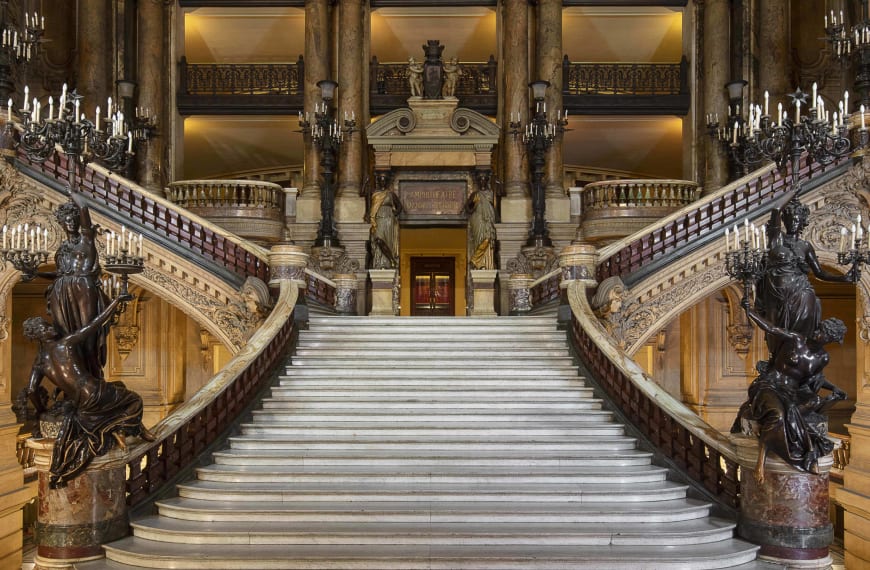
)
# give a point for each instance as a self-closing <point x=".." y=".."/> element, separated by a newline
<point x="431" y="443"/>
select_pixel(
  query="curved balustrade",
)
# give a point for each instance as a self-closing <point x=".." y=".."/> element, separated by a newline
<point x="703" y="219"/>
<point x="702" y="452"/>
<point x="612" y="209"/>
<point x="252" y="209"/>
<point x="200" y="421"/>
<point x="164" y="219"/>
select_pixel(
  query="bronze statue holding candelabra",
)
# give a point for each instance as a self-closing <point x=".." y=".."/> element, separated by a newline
<point x="93" y="414"/>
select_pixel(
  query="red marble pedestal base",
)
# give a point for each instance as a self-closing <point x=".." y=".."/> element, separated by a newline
<point x="788" y="513"/>
<point x="74" y="521"/>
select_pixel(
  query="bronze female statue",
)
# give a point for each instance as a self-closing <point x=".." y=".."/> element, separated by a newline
<point x="784" y="399"/>
<point x="384" y="229"/>
<point x="96" y="414"/>
<point x="75" y="295"/>
<point x="785" y="297"/>
<point x="481" y="226"/>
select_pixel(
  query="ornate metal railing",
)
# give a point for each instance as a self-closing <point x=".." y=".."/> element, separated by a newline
<point x="709" y="215"/>
<point x="241" y="78"/>
<point x="581" y="78"/>
<point x="200" y="421"/>
<point x="477" y="78"/>
<point x="698" y="449"/>
<point x="158" y="217"/>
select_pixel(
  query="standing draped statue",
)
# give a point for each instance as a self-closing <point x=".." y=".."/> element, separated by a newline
<point x="481" y="225"/>
<point x="384" y="229"/>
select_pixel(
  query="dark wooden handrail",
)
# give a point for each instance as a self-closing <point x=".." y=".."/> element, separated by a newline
<point x="545" y="289"/>
<point x="159" y="218"/>
<point x="707" y="216"/>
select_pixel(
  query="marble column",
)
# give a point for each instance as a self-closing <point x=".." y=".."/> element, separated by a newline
<point x="317" y="52"/>
<point x="549" y="64"/>
<point x="774" y="56"/>
<point x="515" y="61"/>
<point x="350" y="207"/>
<point x="717" y="72"/>
<point x="151" y="83"/>
<point x="94" y="80"/>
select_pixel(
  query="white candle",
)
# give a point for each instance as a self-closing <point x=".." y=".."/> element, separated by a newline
<point x="9" y="110"/>
<point x="797" y="112"/>
<point x="746" y="229"/>
<point x="815" y="91"/>
<point x="853" y="237"/>
<point x="78" y="101"/>
<point x="736" y="238"/>
<point x="129" y="142"/>
<point x="4" y="236"/>
<point x="843" y="232"/>
<point x="25" y="236"/>
<point x="764" y="237"/>
<point x="140" y="245"/>
<point x="862" y="118"/>
<point x="98" y="118"/>
<point x="766" y="103"/>
<point x="846" y="101"/>
<point x="834" y="124"/>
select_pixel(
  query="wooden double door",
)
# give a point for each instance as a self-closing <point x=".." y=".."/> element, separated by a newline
<point x="434" y="293"/>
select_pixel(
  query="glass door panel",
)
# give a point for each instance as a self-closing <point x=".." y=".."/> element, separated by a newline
<point x="434" y="287"/>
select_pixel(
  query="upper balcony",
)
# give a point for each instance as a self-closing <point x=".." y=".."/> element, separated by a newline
<point x="588" y="88"/>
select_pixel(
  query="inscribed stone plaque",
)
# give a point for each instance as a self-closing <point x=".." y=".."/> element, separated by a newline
<point x="432" y="197"/>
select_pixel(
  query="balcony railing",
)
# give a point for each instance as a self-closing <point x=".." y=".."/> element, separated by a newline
<point x="249" y="87"/>
<point x="613" y="209"/>
<point x="625" y="88"/>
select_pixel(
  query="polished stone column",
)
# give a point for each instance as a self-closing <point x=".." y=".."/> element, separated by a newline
<point x="351" y="69"/>
<point x="515" y="59"/>
<point x="317" y="43"/>
<point x="717" y="72"/>
<point x="152" y="86"/>
<point x="95" y="50"/>
<point x="549" y="63"/>
<point x="774" y="57"/>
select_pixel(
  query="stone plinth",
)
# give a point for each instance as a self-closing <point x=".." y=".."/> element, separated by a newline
<point x="483" y="282"/>
<point x="578" y="263"/>
<point x="519" y="287"/>
<point x="345" y="293"/>
<point x="433" y="115"/>
<point x="74" y="521"/>
<point x="288" y="261"/>
<point x="788" y="513"/>
<point x="382" y="292"/>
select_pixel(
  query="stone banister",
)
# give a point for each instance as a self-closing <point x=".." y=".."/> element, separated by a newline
<point x="253" y="209"/>
<point x="691" y="226"/>
<point x="157" y="217"/>
<point x="612" y="209"/>
<point x="702" y="452"/>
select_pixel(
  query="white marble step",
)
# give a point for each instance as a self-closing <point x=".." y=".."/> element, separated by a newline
<point x="464" y="512"/>
<point x="495" y="339"/>
<point x="335" y="379"/>
<point x="414" y="418"/>
<point x="426" y="361"/>
<point x="443" y="474"/>
<point x="700" y="531"/>
<point x="434" y="459"/>
<point x="386" y="344"/>
<point x="391" y="432"/>
<point x="410" y="444"/>
<point x="445" y="371"/>
<point x="427" y="493"/>
<point x="430" y="393"/>
<point x="150" y="554"/>
<point x="399" y="352"/>
<point x="290" y="404"/>
<point x="429" y="322"/>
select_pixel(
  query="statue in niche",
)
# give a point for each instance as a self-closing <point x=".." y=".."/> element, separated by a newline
<point x="415" y="77"/>
<point x="95" y="414"/>
<point x="384" y="229"/>
<point x="481" y="224"/>
<point x="452" y="73"/>
<point x="784" y="409"/>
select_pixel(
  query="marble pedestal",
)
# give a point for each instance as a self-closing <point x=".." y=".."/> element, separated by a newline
<point x="483" y="281"/>
<point x="788" y="514"/>
<point x="520" y="295"/>
<point x="382" y="292"/>
<point x="74" y="521"/>
<point x="345" y="293"/>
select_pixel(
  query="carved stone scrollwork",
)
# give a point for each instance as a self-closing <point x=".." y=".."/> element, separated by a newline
<point x="126" y="331"/>
<point x="534" y="261"/>
<point x="329" y="262"/>
<point x="739" y="328"/>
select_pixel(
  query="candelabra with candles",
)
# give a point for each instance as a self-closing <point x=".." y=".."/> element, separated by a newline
<point x="784" y="137"/>
<point x="850" y="45"/>
<point x="124" y="256"/>
<point x="25" y="247"/>
<point x="107" y="140"/>
<point x="746" y="260"/>
<point x="20" y="37"/>
<point x="327" y="134"/>
<point x="857" y="252"/>
<point x="538" y="135"/>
